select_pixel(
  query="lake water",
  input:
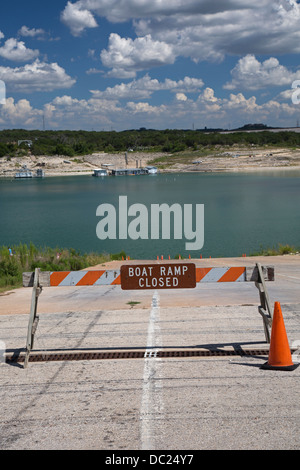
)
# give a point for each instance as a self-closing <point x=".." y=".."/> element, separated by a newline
<point x="243" y="211"/>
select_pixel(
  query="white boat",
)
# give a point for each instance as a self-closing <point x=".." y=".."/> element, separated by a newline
<point x="100" y="172"/>
<point x="151" y="170"/>
<point x="24" y="173"/>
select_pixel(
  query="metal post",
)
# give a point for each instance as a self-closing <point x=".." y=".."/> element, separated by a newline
<point x="33" y="318"/>
<point x="265" y="307"/>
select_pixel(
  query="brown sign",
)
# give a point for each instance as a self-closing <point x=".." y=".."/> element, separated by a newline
<point x="158" y="276"/>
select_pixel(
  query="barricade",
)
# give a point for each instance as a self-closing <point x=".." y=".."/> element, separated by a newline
<point x="149" y="276"/>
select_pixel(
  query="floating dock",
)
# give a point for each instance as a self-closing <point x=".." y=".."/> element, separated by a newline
<point x="25" y="173"/>
<point x="134" y="171"/>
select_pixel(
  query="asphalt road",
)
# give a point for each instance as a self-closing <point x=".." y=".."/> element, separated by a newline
<point x="151" y="402"/>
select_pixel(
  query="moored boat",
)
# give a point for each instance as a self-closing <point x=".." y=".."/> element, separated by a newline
<point x="152" y="170"/>
<point x="24" y="173"/>
<point x="100" y="172"/>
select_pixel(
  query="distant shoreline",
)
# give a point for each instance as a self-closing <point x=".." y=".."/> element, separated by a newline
<point x="170" y="172"/>
<point x="237" y="161"/>
<point x="175" y="171"/>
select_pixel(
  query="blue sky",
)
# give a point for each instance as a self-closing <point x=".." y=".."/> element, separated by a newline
<point x="123" y="64"/>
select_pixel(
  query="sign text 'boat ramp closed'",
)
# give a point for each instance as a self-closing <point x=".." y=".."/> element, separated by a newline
<point x="158" y="276"/>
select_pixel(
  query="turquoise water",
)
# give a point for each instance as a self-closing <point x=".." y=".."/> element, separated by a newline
<point x="242" y="211"/>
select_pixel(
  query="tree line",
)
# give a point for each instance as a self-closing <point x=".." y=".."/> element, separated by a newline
<point x="76" y="143"/>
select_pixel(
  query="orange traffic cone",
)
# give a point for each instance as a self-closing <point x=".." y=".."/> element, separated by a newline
<point x="280" y="357"/>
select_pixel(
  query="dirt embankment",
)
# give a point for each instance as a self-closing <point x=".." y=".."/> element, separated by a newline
<point x="237" y="160"/>
<point x="82" y="165"/>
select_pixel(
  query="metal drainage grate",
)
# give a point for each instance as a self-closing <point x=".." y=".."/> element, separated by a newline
<point x="98" y="355"/>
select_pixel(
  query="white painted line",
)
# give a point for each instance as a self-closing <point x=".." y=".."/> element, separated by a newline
<point x="2" y="352"/>
<point x="152" y="404"/>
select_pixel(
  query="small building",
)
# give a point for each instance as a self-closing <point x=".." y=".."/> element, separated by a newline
<point x="27" y="142"/>
<point x="40" y="173"/>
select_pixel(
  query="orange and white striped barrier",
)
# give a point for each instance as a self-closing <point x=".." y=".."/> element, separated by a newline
<point x="221" y="274"/>
<point x="113" y="277"/>
<point x="84" y="278"/>
<point x="257" y="274"/>
<point x="105" y="277"/>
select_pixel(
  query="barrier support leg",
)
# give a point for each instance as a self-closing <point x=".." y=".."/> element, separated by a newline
<point x="265" y="306"/>
<point x="33" y="318"/>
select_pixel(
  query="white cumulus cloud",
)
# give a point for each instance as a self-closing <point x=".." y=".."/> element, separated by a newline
<point x="250" y="74"/>
<point x="145" y="108"/>
<point x="17" y="51"/>
<point x="144" y="87"/>
<point x="38" y="76"/>
<point x="126" y="56"/>
<point x="19" y="113"/>
<point x="181" y="97"/>
<point x="201" y="29"/>
<point x="208" y="109"/>
<point x="27" y="32"/>
<point x="77" y="18"/>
